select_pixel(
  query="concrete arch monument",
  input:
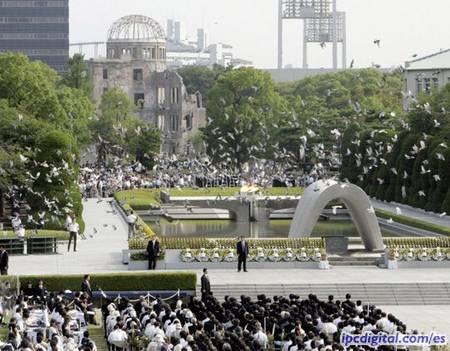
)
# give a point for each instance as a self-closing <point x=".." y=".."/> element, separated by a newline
<point x="320" y="193"/>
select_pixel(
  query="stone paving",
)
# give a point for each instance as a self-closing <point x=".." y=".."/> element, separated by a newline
<point x="422" y="318"/>
<point x="101" y="253"/>
<point x="409" y="211"/>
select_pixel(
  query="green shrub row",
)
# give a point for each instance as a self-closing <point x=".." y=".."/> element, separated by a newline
<point x="416" y="223"/>
<point x="58" y="234"/>
<point x="414" y="242"/>
<point x="179" y="243"/>
<point x="116" y="281"/>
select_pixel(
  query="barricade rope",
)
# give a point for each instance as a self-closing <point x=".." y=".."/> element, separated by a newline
<point x="148" y="296"/>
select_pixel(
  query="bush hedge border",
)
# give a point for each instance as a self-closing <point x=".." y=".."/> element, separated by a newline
<point x="148" y="281"/>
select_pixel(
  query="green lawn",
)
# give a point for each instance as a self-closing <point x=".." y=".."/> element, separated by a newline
<point x="139" y="199"/>
<point x="58" y="234"/>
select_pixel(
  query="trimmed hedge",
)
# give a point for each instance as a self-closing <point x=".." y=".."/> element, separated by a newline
<point x="58" y="234"/>
<point x="117" y="281"/>
<point x="416" y="223"/>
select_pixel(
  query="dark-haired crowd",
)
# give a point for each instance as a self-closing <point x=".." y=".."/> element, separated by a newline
<point x="280" y="323"/>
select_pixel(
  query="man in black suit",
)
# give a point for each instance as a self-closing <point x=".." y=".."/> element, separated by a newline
<point x="86" y="285"/>
<point x="206" y="286"/>
<point x="4" y="261"/>
<point x="242" y="251"/>
<point x="153" y="252"/>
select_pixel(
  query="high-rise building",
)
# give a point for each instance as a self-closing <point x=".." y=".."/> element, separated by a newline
<point x="178" y="35"/>
<point x="39" y="29"/>
<point x="201" y="39"/>
<point x="170" y="29"/>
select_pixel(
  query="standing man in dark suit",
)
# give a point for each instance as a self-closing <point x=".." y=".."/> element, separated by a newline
<point x="86" y="285"/>
<point x="4" y="261"/>
<point x="206" y="286"/>
<point x="153" y="252"/>
<point x="242" y="251"/>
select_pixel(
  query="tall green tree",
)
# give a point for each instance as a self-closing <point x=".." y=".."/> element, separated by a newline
<point x="42" y="124"/>
<point x="119" y="133"/>
<point x="200" y="79"/>
<point x="244" y="112"/>
<point x="76" y="75"/>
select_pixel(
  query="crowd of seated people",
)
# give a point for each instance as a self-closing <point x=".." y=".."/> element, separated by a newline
<point x="56" y="322"/>
<point x="42" y="321"/>
<point x="280" y="323"/>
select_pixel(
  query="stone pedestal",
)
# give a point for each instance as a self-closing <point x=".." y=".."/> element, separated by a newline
<point x="336" y="244"/>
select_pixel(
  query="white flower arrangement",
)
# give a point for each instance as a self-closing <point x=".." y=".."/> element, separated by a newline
<point x="275" y="256"/>
<point x="409" y="256"/>
<point x="202" y="256"/>
<point x="230" y="256"/>
<point x="438" y="255"/>
<point x="303" y="256"/>
<point x="317" y="255"/>
<point x="423" y="256"/>
<point x="260" y="256"/>
<point x="289" y="255"/>
<point x="186" y="256"/>
<point x="216" y="255"/>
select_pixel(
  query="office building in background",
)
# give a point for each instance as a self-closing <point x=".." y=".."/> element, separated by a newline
<point x="37" y="28"/>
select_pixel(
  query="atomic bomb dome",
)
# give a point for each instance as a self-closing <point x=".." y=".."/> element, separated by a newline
<point x="136" y="64"/>
<point x="137" y="37"/>
<point x="136" y="28"/>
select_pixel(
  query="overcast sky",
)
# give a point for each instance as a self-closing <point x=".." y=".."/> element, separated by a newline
<point x="405" y="27"/>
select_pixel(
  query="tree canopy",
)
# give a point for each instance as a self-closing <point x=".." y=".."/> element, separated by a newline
<point x="120" y="134"/>
<point x="42" y="124"/>
<point x="243" y="112"/>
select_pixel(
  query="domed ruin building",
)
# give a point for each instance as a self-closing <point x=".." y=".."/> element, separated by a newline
<point x="136" y="63"/>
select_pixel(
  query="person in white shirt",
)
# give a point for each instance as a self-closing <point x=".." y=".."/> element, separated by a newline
<point x="20" y="232"/>
<point x="261" y="337"/>
<point x="16" y="222"/>
<point x="131" y="220"/>
<point x="328" y="327"/>
<point x="118" y="337"/>
<point x="68" y="221"/>
<point x="73" y="229"/>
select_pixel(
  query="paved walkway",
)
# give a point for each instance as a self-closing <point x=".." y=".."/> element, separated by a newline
<point x="409" y="211"/>
<point x="101" y="253"/>
<point x="422" y="318"/>
<point x="337" y="275"/>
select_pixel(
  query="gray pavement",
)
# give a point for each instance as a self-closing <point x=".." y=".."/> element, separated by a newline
<point x="409" y="211"/>
<point x="422" y="318"/>
<point x="101" y="253"/>
<point x="337" y="275"/>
